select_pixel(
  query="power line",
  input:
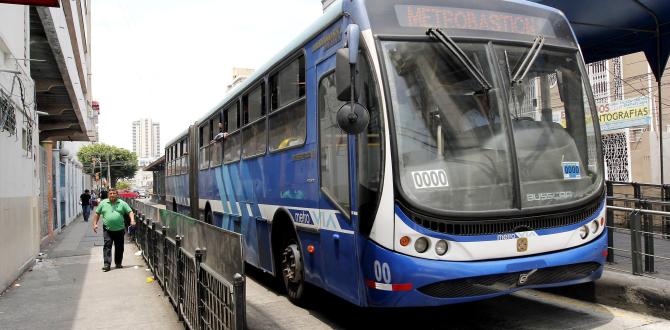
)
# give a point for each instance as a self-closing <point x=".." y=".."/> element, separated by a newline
<point x="643" y="93"/>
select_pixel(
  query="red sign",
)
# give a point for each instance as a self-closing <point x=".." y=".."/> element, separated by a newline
<point x="44" y="3"/>
<point x="95" y="105"/>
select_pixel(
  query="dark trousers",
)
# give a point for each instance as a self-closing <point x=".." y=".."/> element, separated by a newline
<point x="115" y="237"/>
<point x="86" y="211"/>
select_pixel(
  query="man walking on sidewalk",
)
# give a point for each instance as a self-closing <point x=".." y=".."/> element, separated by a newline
<point x="85" y="201"/>
<point x="112" y="211"/>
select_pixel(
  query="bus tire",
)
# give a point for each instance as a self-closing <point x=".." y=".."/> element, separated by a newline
<point x="292" y="270"/>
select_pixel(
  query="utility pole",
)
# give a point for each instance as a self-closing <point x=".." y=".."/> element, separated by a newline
<point x="109" y="177"/>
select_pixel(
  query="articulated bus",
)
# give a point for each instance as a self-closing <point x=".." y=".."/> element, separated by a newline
<point x="408" y="153"/>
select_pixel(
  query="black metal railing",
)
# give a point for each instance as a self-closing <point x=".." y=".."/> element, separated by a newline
<point x="638" y="218"/>
<point x="202" y="296"/>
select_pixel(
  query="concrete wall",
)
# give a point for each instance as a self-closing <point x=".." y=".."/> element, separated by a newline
<point x="19" y="171"/>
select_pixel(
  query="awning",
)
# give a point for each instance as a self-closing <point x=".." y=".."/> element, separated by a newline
<point x="611" y="28"/>
<point x="156" y="165"/>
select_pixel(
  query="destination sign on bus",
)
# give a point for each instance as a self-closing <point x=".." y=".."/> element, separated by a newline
<point x="472" y="19"/>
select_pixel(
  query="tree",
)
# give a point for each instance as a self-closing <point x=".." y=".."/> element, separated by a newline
<point x="122" y="162"/>
<point x="123" y="184"/>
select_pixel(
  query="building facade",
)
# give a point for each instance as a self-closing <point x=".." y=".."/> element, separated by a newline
<point x="239" y="74"/>
<point x="146" y="139"/>
<point x="45" y="98"/>
<point x="626" y="95"/>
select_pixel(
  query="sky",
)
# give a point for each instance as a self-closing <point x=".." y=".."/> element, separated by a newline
<point x="171" y="60"/>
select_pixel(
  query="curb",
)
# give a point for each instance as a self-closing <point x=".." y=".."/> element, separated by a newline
<point x="630" y="292"/>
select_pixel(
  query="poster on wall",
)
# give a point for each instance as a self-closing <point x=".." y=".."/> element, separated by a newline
<point x="625" y="113"/>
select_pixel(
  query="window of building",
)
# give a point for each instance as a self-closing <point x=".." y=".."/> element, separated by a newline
<point x="600" y="84"/>
<point x="287" y="126"/>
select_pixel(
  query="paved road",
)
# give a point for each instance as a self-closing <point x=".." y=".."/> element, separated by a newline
<point x="530" y="309"/>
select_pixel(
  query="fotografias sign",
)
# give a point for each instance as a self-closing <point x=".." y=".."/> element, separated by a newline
<point x="625" y="113"/>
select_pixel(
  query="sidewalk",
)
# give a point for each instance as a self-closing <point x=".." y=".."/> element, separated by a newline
<point x="68" y="290"/>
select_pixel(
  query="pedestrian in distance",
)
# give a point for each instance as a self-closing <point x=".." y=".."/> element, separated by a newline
<point x="103" y="194"/>
<point x="112" y="211"/>
<point x="85" y="201"/>
<point x="94" y="199"/>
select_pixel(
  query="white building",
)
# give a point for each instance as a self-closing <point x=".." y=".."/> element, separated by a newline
<point x="146" y="139"/>
<point x="45" y="98"/>
<point x="239" y="74"/>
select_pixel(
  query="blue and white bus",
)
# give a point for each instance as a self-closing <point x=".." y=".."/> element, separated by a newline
<point x="408" y="153"/>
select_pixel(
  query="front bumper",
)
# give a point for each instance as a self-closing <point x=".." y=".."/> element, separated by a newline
<point x="403" y="280"/>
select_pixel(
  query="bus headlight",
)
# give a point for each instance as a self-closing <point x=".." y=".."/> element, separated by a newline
<point x="584" y="231"/>
<point x="441" y="247"/>
<point x="421" y="245"/>
<point x="594" y="226"/>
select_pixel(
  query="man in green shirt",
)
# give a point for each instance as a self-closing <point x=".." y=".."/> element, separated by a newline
<point x="112" y="211"/>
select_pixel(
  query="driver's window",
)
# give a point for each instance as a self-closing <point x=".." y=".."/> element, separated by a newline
<point x="334" y="153"/>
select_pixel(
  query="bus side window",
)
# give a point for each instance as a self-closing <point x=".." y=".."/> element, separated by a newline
<point x="254" y="135"/>
<point x="287" y="121"/>
<point x="233" y="144"/>
<point x="204" y="155"/>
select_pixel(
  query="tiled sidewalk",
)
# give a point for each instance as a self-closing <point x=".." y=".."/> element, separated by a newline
<point x="68" y="290"/>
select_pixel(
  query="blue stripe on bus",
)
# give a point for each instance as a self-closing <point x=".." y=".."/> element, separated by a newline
<point x="230" y="193"/>
<point x="222" y="192"/>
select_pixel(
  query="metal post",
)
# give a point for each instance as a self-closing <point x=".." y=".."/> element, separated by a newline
<point x="179" y="299"/>
<point x="165" y="258"/>
<point x="648" y="240"/>
<point x="637" y="194"/>
<point x="609" y="216"/>
<point x="239" y="292"/>
<point x="153" y="246"/>
<point x="109" y="177"/>
<point x="665" y="222"/>
<point x="199" y="292"/>
<point x="635" y="242"/>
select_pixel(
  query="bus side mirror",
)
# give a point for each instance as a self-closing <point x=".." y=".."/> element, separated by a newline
<point x="345" y="67"/>
<point x="353" y="118"/>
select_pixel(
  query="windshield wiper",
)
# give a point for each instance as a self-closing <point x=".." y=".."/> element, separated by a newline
<point x="528" y="60"/>
<point x="460" y="55"/>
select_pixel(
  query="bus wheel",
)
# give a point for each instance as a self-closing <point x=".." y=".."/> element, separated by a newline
<point x="292" y="271"/>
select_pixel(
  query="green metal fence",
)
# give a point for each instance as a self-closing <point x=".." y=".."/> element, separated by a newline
<point x="199" y="266"/>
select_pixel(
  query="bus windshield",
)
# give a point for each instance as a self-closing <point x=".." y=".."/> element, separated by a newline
<point x="521" y="144"/>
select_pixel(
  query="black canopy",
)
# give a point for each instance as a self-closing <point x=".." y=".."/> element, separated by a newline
<point x="611" y="28"/>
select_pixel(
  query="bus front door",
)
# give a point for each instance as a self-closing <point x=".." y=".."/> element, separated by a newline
<point x="338" y="229"/>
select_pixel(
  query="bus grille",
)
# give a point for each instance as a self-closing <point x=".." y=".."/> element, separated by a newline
<point x="491" y="284"/>
<point x="504" y="226"/>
